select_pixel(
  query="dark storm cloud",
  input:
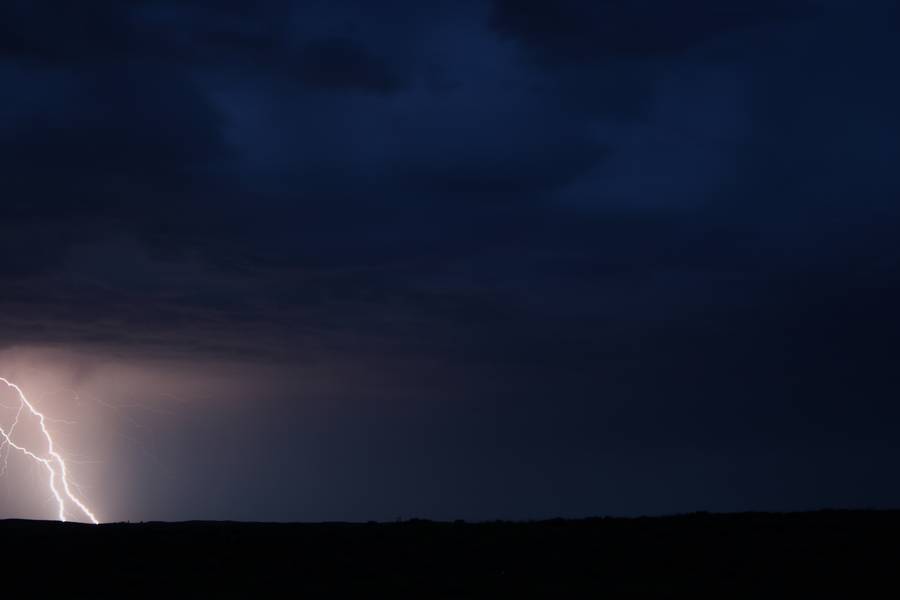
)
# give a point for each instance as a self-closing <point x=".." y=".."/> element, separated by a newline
<point x="57" y="33"/>
<point x="585" y="31"/>
<point x="88" y="151"/>
<point x="339" y="64"/>
<point x="201" y="129"/>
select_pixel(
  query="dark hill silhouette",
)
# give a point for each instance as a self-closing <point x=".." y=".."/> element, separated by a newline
<point x="843" y="553"/>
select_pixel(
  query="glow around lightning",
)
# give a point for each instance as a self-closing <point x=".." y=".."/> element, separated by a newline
<point x="53" y="462"/>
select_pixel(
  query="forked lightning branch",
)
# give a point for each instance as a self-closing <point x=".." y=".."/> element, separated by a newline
<point x="47" y="456"/>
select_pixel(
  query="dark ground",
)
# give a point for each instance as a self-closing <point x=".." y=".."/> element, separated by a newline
<point x="850" y="554"/>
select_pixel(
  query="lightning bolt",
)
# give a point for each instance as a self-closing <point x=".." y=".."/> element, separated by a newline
<point x="53" y="462"/>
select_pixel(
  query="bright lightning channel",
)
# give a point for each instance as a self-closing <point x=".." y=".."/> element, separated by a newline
<point x="57" y="474"/>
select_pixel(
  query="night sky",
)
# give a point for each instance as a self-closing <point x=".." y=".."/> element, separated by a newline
<point x="468" y="259"/>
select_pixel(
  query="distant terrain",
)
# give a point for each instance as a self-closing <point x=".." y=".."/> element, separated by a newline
<point x="848" y="553"/>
